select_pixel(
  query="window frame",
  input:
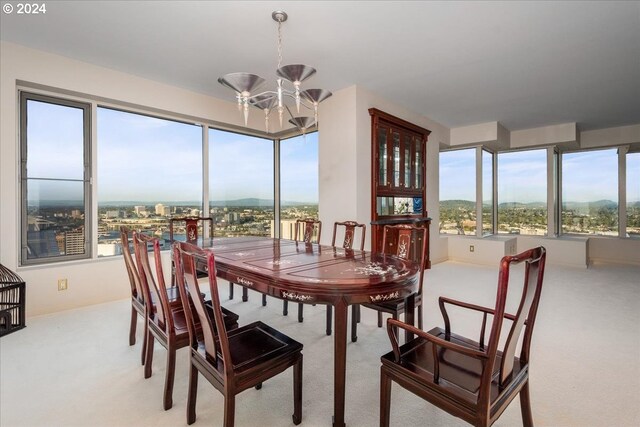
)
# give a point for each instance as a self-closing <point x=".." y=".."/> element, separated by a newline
<point x="87" y="121"/>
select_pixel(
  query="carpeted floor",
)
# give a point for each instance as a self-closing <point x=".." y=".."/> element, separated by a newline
<point x="76" y="368"/>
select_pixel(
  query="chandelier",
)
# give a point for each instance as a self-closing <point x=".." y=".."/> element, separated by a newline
<point x="245" y="85"/>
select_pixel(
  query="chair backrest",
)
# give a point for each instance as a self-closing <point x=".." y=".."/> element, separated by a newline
<point x="132" y="269"/>
<point x="308" y="227"/>
<point x="525" y="315"/>
<point x="216" y="341"/>
<point x="154" y="287"/>
<point x="349" y="233"/>
<point x="191" y="227"/>
<point x="408" y="242"/>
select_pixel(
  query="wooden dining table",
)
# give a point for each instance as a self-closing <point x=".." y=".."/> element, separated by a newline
<point x="317" y="274"/>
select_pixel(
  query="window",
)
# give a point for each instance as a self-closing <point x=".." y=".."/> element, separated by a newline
<point x="522" y="192"/>
<point x="458" y="192"/>
<point x="299" y="190"/>
<point x="487" y="192"/>
<point x="633" y="194"/>
<point x="149" y="169"/>
<point x="241" y="184"/>
<point x="55" y="179"/>
<point x="590" y="194"/>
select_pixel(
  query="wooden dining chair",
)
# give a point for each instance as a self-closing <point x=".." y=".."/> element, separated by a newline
<point x="194" y="228"/>
<point x="308" y="231"/>
<point x="166" y="321"/>
<point x="349" y="235"/>
<point x="232" y="361"/>
<point x="407" y="242"/>
<point x="137" y="294"/>
<point x="472" y="380"/>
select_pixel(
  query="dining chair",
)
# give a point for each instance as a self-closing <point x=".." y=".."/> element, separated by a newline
<point x="165" y="318"/>
<point x="194" y="227"/>
<point x="165" y="322"/>
<point x="472" y="380"/>
<point x="137" y="294"/>
<point x="348" y="230"/>
<point x="232" y="361"/>
<point x="407" y="242"/>
<point x="308" y="231"/>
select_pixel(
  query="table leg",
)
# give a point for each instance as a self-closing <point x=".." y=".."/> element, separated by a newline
<point x="339" y="362"/>
<point x="409" y="314"/>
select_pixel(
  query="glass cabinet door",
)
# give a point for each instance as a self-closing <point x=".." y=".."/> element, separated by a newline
<point x="383" y="156"/>
<point x="396" y="157"/>
<point x="407" y="146"/>
<point x="418" y="163"/>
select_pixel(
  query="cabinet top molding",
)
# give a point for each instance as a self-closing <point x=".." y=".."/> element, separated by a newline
<point x="398" y="121"/>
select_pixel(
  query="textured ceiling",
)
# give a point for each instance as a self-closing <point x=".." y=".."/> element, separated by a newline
<point x="524" y="64"/>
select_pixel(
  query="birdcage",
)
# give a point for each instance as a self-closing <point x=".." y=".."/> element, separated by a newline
<point x="12" y="293"/>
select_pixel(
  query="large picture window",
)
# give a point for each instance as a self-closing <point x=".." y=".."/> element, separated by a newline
<point x="299" y="191"/>
<point x="522" y="192"/>
<point x="55" y="179"/>
<point x="458" y="192"/>
<point x="590" y="194"/>
<point x="241" y="184"/>
<point x="149" y="169"/>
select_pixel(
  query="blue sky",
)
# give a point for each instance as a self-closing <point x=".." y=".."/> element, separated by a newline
<point x="148" y="159"/>
<point x="522" y="176"/>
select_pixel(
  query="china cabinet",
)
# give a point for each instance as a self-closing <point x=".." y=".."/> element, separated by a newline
<point x="398" y="174"/>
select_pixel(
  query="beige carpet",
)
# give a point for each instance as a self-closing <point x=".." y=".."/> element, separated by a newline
<point x="76" y="368"/>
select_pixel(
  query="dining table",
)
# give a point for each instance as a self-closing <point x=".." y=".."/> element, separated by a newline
<point x="317" y="274"/>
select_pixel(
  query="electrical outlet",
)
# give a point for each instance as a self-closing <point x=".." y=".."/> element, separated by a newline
<point x="62" y="284"/>
<point x="472" y="248"/>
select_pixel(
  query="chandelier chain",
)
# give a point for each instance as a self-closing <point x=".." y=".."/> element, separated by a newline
<point x="279" y="43"/>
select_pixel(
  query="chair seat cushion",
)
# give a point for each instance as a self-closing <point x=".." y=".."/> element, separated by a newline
<point x="459" y="374"/>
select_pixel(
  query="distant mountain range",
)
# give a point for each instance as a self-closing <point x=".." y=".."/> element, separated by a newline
<point x="248" y="202"/>
<point x="468" y="205"/>
<point x="256" y="202"/>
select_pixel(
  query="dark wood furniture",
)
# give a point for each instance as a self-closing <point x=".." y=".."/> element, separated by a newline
<point x="407" y="242"/>
<point x="232" y="361"/>
<point x="472" y="380"/>
<point x="398" y="177"/>
<point x="349" y="234"/>
<point x="165" y="322"/>
<point x="308" y="230"/>
<point x="316" y="274"/>
<point x="165" y="318"/>
<point x="194" y="227"/>
<point x="137" y="295"/>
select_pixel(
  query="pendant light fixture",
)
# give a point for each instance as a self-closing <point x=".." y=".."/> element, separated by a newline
<point x="247" y="88"/>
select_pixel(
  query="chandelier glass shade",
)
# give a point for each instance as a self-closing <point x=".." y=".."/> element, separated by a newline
<point x="248" y="89"/>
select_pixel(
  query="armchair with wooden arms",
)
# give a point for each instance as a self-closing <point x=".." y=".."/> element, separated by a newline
<point x="472" y="380"/>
